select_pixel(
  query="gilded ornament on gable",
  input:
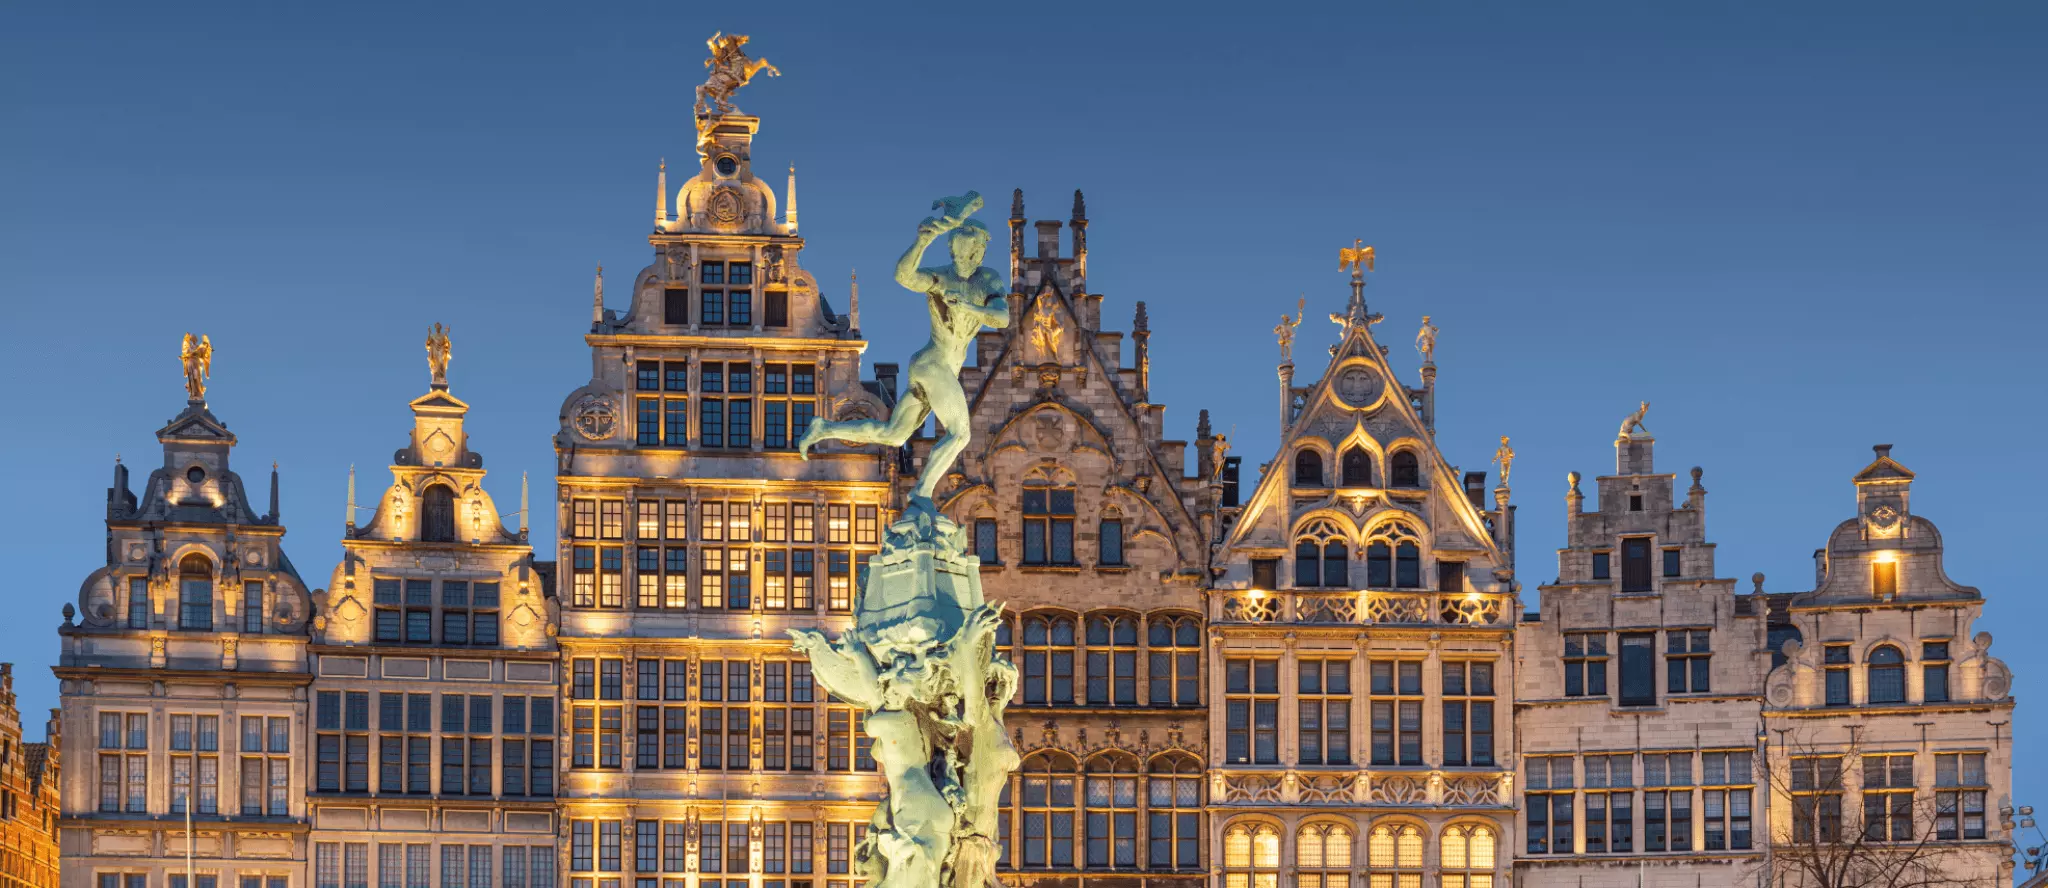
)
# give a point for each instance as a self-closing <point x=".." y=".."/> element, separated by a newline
<point x="725" y="206"/>
<point x="1884" y="517"/>
<point x="1046" y="330"/>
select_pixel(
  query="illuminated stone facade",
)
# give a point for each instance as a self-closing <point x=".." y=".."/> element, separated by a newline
<point x="184" y="682"/>
<point x="1090" y="525"/>
<point x="696" y="749"/>
<point x="1639" y="696"/>
<point x="1362" y="669"/>
<point x="434" y="698"/>
<point x="28" y="797"/>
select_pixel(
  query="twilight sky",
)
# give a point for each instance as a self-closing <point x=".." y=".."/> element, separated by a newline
<point x="1796" y="232"/>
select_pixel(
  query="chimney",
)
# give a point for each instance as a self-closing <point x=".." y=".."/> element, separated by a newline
<point x="1048" y="238"/>
<point x="885" y="376"/>
<point x="1475" y="489"/>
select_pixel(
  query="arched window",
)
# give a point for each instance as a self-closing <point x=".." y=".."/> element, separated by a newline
<point x="1379" y="565"/>
<point x="1321" y="559"/>
<point x="1408" y="566"/>
<point x="1251" y="856"/>
<point x="1394" y="852"/>
<point x="437" y="514"/>
<point x="1111" y="803"/>
<point x="195" y="593"/>
<point x="1466" y="856"/>
<point x="1113" y="660"/>
<point x="1048" y="660"/>
<point x="1357" y="469"/>
<point x="1887" y="675"/>
<point x="1403" y="470"/>
<point x="1048" y="812"/>
<point x="1175" y="647"/>
<point x="1322" y="856"/>
<point x="1393" y="558"/>
<point x="1174" y="805"/>
<point x="1308" y="469"/>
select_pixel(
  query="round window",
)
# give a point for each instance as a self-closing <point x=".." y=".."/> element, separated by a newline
<point x="727" y="165"/>
<point x="195" y="474"/>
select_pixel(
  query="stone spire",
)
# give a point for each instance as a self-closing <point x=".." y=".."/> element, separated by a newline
<point x="661" y="195"/>
<point x="272" y="517"/>
<point x="1080" y="226"/>
<point x="597" y="300"/>
<point x="792" y="198"/>
<point x="853" y="300"/>
<point x="1017" y="241"/>
<point x="523" y="504"/>
<point x="349" y="516"/>
<point x="1141" y="337"/>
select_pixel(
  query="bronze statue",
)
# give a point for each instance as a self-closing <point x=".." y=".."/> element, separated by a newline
<point x="197" y="355"/>
<point x="1505" y="456"/>
<point x="961" y="297"/>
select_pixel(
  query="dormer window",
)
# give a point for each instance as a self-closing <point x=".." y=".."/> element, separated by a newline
<point x="1357" y="467"/>
<point x="1403" y="470"/>
<point x="1308" y="469"/>
<point x="195" y="593"/>
<point x="1884" y="576"/>
<point x="437" y="514"/>
<point x="195" y="476"/>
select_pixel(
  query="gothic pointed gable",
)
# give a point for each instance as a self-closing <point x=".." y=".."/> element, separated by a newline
<point x="1054" y="408"/>
<point x="1335" y="468"/>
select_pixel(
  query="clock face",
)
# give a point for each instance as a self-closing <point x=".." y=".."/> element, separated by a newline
<point x="727" y="165"/>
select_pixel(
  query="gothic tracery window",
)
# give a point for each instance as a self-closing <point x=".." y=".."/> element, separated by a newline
<point x="1111" y="804"/>
<point x="1393" y="558"/>
<point x="1465" y="855"/>
<point x="1394" y="853"/>
<point x="1321" y="559"/>
<point x="1048" y="659"/>
<point x="1404" y="470"/>
<point x="1322" y="855"/>
<point x="1047" y="812"/>
<point x="1113" y="659"/>
<point x="1174" y="807"/>
<point x="1251" y="856"/>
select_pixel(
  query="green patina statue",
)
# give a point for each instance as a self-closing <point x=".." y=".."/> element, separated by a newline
<point x="962" y="297"/>
<point x="920" y="658"/>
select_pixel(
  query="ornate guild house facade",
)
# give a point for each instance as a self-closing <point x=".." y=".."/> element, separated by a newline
<point x="1330" y="677"/>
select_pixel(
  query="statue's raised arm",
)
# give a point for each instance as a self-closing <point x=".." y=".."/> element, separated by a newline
<point x="961" y="297"/>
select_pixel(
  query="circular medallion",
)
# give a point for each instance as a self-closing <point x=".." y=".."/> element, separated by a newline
<point x="595" y="419"/>
<point x="195" y="475"/>
<point x="1358" y="386"/>
<point x="725" y="206"/>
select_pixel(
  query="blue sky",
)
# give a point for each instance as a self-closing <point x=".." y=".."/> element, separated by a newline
<point x="1796" y="231"/>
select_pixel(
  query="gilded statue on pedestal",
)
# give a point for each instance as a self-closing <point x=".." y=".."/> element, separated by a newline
<point x="437" y="354"/>
<point x="197" y="356"/>
<point x="730" y="70"/>
<point x="1634" y="422"/>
